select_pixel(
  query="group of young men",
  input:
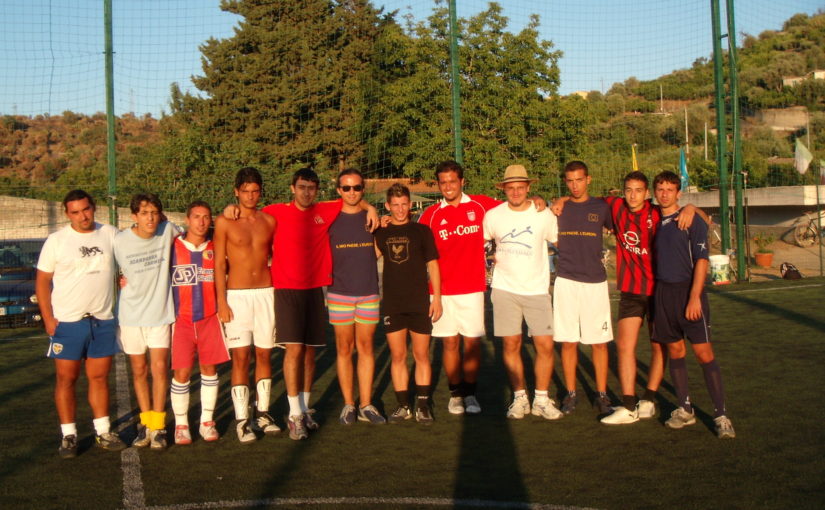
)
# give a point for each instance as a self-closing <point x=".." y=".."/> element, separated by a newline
<point x="260" y="282"/>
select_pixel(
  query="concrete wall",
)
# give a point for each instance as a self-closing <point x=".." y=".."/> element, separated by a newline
<point x="778" y="206"/>
<point x="26" y="217"/>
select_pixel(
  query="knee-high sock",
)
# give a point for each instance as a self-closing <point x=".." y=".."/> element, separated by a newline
<point x="264" y="387"/>
<point x="678" y="372"/>
<point x="240" y="399"/>
<point x="209" y="396"/>
<point x="713" y="380"/>
<point x="180" y="401"/>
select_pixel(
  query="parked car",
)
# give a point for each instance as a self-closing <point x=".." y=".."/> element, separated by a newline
<point x="18" y="302"/>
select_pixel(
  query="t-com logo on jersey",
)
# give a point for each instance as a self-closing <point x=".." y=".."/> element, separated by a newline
<point x="630" y="242"/>
<point x="185" y="275"/>
<point x="460" y="230"/>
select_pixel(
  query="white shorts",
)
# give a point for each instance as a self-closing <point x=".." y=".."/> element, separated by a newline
<point x="581" y="312"/>
<point x="253" y="318"/>
<point x="463" y="315"/>
<point x="136" y="339"/>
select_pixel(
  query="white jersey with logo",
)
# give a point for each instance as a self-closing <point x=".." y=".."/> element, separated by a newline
<point x="84" y="270"/>
<point x="522" y="265"/>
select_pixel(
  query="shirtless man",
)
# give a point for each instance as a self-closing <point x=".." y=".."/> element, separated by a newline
<point x="246" y="301"/>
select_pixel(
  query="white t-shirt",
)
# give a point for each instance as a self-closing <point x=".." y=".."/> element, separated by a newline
<point x="146" y="300"/>
<point x="83" y="265"/>
<point x="522" y="266"/>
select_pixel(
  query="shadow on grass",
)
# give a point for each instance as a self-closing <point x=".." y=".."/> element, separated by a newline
<point x="781" y="312"/>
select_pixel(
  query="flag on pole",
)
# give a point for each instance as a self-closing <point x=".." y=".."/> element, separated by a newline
<point x="634" y="163"/>
<point x="802" y="157"/>
<point x="683" y="170"/>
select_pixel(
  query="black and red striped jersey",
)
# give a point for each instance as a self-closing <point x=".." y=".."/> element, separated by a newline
<point x="634" y="244"/>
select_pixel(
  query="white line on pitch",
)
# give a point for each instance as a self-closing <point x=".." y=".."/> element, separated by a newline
<point x="474" y="503"/>
<point x="133" y="496"/>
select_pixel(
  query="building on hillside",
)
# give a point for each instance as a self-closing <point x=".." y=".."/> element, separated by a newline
<point x="793" y="81"/>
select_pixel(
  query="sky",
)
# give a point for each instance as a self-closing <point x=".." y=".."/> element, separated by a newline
<point x="51" y="51"/>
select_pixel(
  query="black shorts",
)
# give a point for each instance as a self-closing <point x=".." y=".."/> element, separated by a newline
<point x="300" y="317"/>
<point x="415" y="322"/>
<point x="669" y="321"/>
<point x="635" y="305"/>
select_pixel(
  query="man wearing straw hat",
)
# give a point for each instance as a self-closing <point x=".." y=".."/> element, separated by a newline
<point x="520" y="289"/>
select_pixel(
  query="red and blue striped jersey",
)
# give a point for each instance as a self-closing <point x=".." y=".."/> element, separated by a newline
<point x="634" y="245"/>
<point x="193" y="279"/>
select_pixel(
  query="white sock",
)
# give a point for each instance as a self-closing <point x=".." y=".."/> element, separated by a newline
<point x="264" y="387"/>
<point x="209" y="396"/>
<point x="304" y="396"/>
<point x="541" y="395"/>
<point x="240" y="399"/>
<point x="520" y="394"/>
<point x="69" y="429"/>
<point x="101" y="425"/>
<point x="179" y="396"/>
<point x="294" y="405"/>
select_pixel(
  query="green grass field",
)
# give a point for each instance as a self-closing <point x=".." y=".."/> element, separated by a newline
<point x="769" y="339"/>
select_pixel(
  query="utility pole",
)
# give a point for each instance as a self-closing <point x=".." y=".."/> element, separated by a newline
<point x="721" y="136"/>
<point x="110" y="110"/>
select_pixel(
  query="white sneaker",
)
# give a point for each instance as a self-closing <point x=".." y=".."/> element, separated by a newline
<point x="680" y="418"/>
<point x="182" y="435"/>
<point x="519" y="408"/>
<point x="646" y="409"/>
<point x="724" y="428"/>
<point x="621" y="416"/>
<point x="244" y="430"/>
<point x="208" y="431"/>
<point x="455" y="405"/>
<point x="471" y="405"/>
<point x="265" y="423"/>
<point x="546" y="408"/>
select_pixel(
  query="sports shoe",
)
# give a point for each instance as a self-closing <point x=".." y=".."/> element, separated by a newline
<point x="602" y="404"/>
<point x="159" y="439"/>
<point x="182" y="435"/>
<point x="568" y="405"/>
<point x="68" y="447"/>
<point x="423" y="415"/>
<point x="142" y="440"/>
<point x="297" y="427"/>
<point x="471" y="405"/>
<point x="109" y="441"/>
<point x="208" y="431"/>
<point x="309" y="421"/>
<point x="546" y="408"/>
<point x="621" y="416"/>
<point x="347" y="416"/>
<point x="455" y="405"/>
<point x="518" y="408"/>
<point x="370" y="413"/>
<point x="680" y="418"/>
<point x="400" y="414"/>
<point x="646" y="408"/>
<point x="724" y="428"/>
<point x="244" y="430"/>
<point x="265" y="423"/>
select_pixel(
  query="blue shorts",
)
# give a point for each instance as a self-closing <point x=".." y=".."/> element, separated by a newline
<point x="86" y="338"/>
<point x="669" y="322"/>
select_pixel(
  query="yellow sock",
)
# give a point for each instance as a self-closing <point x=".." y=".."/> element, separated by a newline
<point x="146" y="418"/>
<point x="158" y="420"/>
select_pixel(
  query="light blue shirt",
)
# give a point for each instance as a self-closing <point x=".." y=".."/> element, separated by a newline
<point x="146" y="300"/>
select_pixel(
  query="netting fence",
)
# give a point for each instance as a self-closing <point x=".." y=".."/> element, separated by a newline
<point x="202" y="88"/>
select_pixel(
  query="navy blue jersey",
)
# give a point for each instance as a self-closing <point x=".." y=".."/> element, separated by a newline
<point x="676" y="251"/>
<point x="580" y="240"/>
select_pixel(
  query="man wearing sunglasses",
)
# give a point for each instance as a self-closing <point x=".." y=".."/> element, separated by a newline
<point x="353" y="299"/>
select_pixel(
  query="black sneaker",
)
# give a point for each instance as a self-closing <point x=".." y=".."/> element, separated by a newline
<point x="603" y="404"/>
<point x="568" y="405"/>
<point x="423" y="415"/>
<point x="142" y="439"/>
<point x="109" y="441"/>
<point x="370" y="414"/>
<point x="400" y="414"/>
<point x="68" y="447"/>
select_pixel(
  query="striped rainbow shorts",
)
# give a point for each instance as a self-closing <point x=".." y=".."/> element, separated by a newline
<point x="346" y="310"/>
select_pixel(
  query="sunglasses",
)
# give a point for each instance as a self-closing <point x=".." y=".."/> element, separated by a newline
<point x="357" y="187"/>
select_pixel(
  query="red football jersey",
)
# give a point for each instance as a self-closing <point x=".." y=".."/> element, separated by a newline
<point x="459" y="238"/>
<point x="634" y="244"/>
<point x="301" y="258"/>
